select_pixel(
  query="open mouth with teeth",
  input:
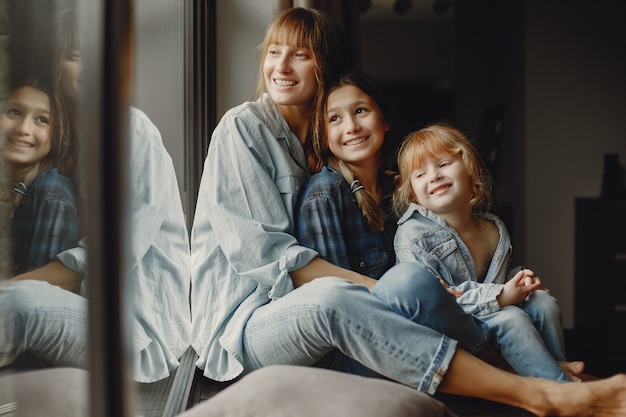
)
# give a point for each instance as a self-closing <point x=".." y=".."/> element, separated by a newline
<point x="355" y="141"/>
<point x="284" y="83"/>
<point x="441" y="189"/>
<point x="20" y="143"/>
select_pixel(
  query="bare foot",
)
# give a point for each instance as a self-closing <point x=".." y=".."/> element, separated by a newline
<point x="601" y="398"/>
<point x="573" y="369"/>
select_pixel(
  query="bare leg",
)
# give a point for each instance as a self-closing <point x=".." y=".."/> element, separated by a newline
<point x="469" y="376"/>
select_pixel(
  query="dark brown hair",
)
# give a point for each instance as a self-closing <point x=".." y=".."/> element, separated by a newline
<point x="369" y="206"/>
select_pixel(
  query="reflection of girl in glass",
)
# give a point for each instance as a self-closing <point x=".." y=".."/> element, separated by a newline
<point x="45" y="216"/>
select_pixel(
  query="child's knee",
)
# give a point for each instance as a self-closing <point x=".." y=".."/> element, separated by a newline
<point x="544" y="304"/>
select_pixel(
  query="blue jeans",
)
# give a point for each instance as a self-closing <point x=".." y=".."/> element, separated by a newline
<point x="416" y="294"/>
<point x="334" y="323"/>
<point x="44" y="320"/>
<point x="529" y="337"/>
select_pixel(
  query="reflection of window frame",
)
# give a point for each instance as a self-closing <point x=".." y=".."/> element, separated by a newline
<point x="200" y="81"/>
<point x="107" y="37"/>
<point x="106" y="42"/>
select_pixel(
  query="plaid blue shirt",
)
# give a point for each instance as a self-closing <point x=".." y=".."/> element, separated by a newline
<point x="46" y="221"/>
<point x="330" y="221"/>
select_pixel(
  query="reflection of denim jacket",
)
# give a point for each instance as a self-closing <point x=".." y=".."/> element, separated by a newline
<point x="330" y="221"/>
<point x="157" y="252"/>
<point x="46" y="221"/>
<point x="424" y="237"/>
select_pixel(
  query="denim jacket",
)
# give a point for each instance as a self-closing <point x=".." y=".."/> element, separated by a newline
<point x="426" y="238"/>
<point x="242" y="240"/>
<point x="158" y="255"/>
<point x="46" y="221"/>
<point x="330" y="221"/>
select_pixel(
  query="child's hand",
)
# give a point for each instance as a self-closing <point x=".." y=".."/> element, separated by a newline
<point x="519" y="287"/>
<point x="456" y="293"/>
<point x="530" y="278"/>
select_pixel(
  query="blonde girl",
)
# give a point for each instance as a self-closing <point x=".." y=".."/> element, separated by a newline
<point x="443" y="200"/>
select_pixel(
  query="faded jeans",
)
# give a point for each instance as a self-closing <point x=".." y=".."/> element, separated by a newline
<point x="334" y="323"/>
<point x="44" y="320"/>
<point x="529" y="337"/>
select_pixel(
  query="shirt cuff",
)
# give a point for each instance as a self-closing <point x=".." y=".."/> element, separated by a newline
<point x="490" y="297"/>
<point x="75" y="258"/>
<point x="295" y="257"/>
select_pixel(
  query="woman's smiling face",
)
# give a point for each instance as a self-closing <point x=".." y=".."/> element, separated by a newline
<point x="289" y="74"/>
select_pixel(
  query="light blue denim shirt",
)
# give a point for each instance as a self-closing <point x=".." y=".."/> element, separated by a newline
<point x="242" y="241"/>
<point x="426" y="238"/>
<point x="158" y="255"/>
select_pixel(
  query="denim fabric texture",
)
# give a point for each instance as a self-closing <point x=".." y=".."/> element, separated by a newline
<point x="159" y="254"/>
<point x="159" y="264"/>
<point x="330" y="221"/>
<point x="330" y="321"/>
<point x="246" y="312"/>
<point x="412" y="291"/>
<point x="425" y="239"/>
<point x="46" y="221"/>
<point x="242" y="240"/>
<point x="44" y="320"/>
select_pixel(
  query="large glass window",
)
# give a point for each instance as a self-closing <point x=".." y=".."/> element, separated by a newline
<point x="140" y="55"/>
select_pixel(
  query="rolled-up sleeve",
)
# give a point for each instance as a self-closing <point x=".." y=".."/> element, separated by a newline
<point x="479" y="298"/>
<point x="75" y="258"/>
<point x="255" y="183"/>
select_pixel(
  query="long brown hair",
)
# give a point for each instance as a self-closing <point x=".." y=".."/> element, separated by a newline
<point x="320" y="34"/>
<point x="369" y="206"/>
<point x="21" y="184"/>
<point x="53" y="46"/>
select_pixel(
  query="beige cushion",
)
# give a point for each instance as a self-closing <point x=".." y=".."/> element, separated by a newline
<point x="57" y="392"/>
<point x="292" y="391"/>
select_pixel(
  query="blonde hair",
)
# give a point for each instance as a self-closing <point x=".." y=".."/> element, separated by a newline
<point x="319" y="33"/>
<point x="432" y="141"/>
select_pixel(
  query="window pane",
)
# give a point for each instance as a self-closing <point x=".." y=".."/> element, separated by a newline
<point x="43" y="310"/>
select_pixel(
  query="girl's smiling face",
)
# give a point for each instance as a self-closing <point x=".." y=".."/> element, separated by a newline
<point x="442" y="184"/>
<point x="355" y="127"/>
<point x="25" y="125"/>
